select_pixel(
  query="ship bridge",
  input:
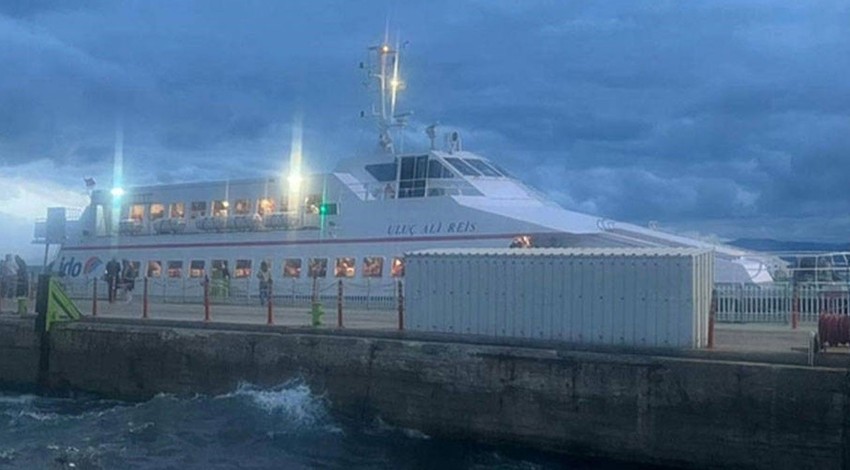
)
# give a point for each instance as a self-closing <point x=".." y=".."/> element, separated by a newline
<point x="433" y="174"/>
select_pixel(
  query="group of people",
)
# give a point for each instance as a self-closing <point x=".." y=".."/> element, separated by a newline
<point x="120" y="276"/>
<point x="14" y="278"/>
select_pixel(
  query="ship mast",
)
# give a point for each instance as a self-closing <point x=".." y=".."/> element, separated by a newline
<point x="384" y="73"/>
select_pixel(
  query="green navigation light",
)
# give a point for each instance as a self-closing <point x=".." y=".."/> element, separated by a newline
<point x="328" y="208"/>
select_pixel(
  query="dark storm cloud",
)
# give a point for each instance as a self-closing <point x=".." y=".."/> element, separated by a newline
<point x="654" y="110"/>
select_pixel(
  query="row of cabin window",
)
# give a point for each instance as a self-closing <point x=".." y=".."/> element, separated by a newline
<point x="344" y="267"/>
<point x="219" y="208"/>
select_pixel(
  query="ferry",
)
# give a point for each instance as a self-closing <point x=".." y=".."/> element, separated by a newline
<point x="354" y="223"/>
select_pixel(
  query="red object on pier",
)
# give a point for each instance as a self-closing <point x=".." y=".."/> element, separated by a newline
<point x="834" y="329"/>
<point x="145" y="300"/>
<point x="94" y="298"/>
<point x="339" y="305"/>
<point x="270" y="313"/>
<point x="400" y="306"/>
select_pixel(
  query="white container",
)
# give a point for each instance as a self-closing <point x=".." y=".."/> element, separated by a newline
<point x="616" y="296"/>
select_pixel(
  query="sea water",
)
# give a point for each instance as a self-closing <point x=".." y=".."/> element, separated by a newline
<point x="288" y="427"/>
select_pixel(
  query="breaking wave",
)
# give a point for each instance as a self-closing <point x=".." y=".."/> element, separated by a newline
<point x="286" y="426"/>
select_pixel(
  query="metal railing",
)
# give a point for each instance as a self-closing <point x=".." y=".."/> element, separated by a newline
<point x="780" y="303"/>
<point x="366" y="294"/>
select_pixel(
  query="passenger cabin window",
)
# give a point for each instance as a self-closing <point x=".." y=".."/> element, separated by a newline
<point x="462" y="167"/>
<point x="318" y="267"/>
<point x="175" y="269"/>
<point x="157" y="211"/>
<point x="265" y="206"/>
<point x="312" y="203"/>
<point x="199" y="209"/>
<point x="242" y="207"/>
<point x="154" y="269"/>
<point x="437" y="170"/>
<point x="344" y="267"/>
<point x="292" y="267"/>
<point x="135" y="266"/>
<point x="219" y="208"/>
<point x="243" y="268"/>
<point x="196" y="268"/>
<point x="137" y="212"/>
<point x="482" y="167"/>
<point x="373" y="266"/>
<point x="412" y="176"/>
<point x="397" y="269"/>
<point x="220" y="269"/>
<point x="383" y="172"/>
<point x="177" y="210"/>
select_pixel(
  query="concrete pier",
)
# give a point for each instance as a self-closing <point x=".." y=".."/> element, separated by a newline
<point x="694" y="410"/>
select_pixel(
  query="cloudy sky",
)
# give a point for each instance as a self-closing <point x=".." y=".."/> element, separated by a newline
<point x="724" y="118"/>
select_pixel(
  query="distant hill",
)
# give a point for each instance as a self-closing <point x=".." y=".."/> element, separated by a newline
<point x="767" y="244"/>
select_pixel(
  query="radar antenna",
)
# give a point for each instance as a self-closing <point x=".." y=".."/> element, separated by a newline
<point x="385" y="73"/>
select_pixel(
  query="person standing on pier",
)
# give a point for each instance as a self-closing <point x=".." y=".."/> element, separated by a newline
<point x="113" y="272"/>
<point x="265" y="277"/>
<point x="128" y="281"/>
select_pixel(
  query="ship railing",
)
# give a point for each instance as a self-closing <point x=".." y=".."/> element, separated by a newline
<point x="377" y="294"/>
<point x="780" y="302"/>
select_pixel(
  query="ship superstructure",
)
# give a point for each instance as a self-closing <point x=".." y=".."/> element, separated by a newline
<point x="355" y="222"/>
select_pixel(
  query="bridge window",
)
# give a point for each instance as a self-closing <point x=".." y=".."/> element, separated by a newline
<point x="199" y="209"/>
<point x="373" y="266"/>
<point x="462" y="167"/>
<point x="154" y="269"/>
<point x="196" y="268"/>
<point x="383" y="172"/>
<point x="175" y="269"/>
<point x="219" y="208"/>
<point x="157" y="211"/>
<point x="177" y="210"/>
<point x="243" y="268"/>
<point x="438" y="171"/>
<point x="414" y="170"/>
<point x="318" y="267"/>
<point x="484" y="168"/>
<point x="292" y="267"/>
<point x="411" y="188"/>
<point x="242" y="207"/>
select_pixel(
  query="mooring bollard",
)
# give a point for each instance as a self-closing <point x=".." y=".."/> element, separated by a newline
<point x="339" y="305"/>
<point x="270" y="314"/>
<point x="94" y="298"/>
<point x="145" y="299"/>
<point x="400" y="306"/>
<point x="206" y="298"/>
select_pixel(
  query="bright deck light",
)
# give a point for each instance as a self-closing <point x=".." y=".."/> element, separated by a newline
<point x="294" y="180"/>
<point x="117" y="192"/>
